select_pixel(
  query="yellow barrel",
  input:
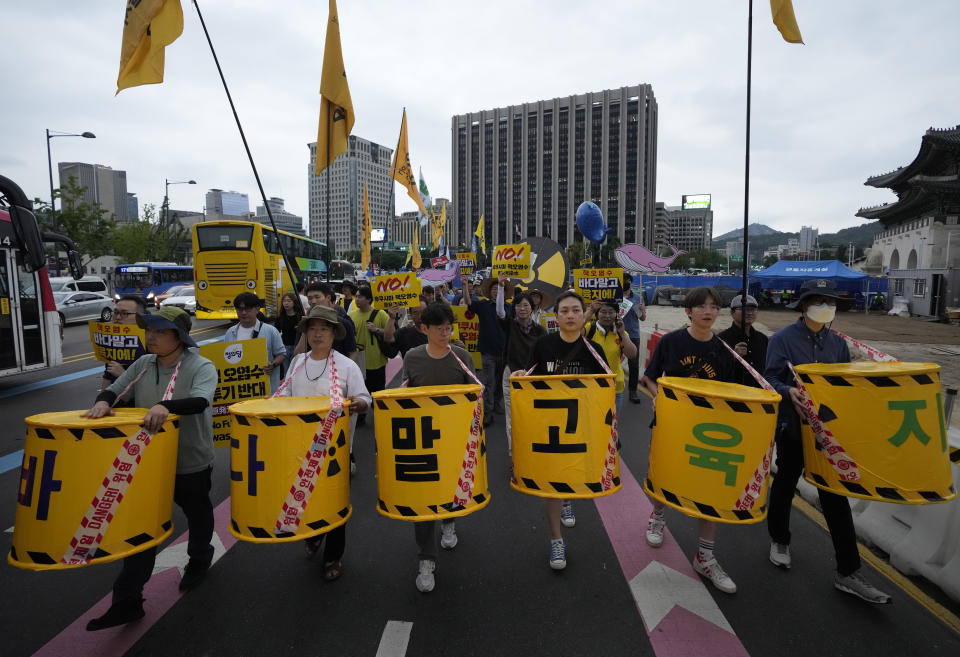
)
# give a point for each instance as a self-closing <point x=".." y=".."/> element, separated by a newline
<point x="709" y="441"/>
<point x="560" y="431"/>
<point x="65" y="460"/>
<point x="270" y="438"/>
<point x="888" y="416"/>
<point x="422" y="435"/>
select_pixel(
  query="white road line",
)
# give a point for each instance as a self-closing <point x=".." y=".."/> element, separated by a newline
<point x="396" y="636"/>
<point x="8" y="531"/>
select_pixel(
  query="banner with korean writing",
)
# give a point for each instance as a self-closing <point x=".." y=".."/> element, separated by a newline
<point x="396" y="289"/>
<point x="123" y="343"/>
<point x="513" y="259"/>
<point x="467" y="262"/>
<point x="436" y="263"/>
<point x="241" y="376"/>
<point x="603" y="284"/>
<point x="468" y="326"/>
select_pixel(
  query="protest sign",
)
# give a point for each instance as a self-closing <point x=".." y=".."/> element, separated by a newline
<point x="122" y="343"/>
<point x="512" y="259"/>
<point x="467" y="262"/>
<point x="468" y="327"/>
<point x="396" y="289"/>
<point x="601" y="284"/>
<point x="240" y="376"/>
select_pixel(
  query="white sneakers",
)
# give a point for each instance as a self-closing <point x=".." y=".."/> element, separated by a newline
<point x="448" y="536"/>
<point x="655" y="527"/>
<point x="780" y="555"/>
<point x="712" y="571"/>
<point x="425" y="579"/>
<point x="566" y="514"/>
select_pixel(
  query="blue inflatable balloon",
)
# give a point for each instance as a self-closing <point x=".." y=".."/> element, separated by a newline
<point x="590" y="222"/>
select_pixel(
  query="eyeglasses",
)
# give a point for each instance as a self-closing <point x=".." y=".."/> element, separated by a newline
<point x="122" y="313"/>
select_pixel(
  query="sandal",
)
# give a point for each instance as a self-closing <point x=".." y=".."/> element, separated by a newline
<point x="332" y="570"/>
<point x="310" y="547"/>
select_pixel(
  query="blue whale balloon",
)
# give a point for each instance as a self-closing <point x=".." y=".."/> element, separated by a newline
<point x="590" y="222"/>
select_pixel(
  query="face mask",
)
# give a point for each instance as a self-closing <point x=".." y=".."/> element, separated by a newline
<point x="821" y="313"/>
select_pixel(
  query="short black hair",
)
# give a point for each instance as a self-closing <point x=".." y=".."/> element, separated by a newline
<point x="520" y="297"/>
<point x="699" y="295"/>
<point x="436" y="313"/>
<point x="628" y="279"/>
<point x="569" y="294"/>
<point x="247" y="300"/>
<point x="322" y="288"/>
<point x="137" y="299"/>
<point x="427" y="288"/>
<point x="366" y="293"/>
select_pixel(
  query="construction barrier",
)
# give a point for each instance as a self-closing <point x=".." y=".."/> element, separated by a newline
<point x="270" y="438"/>
<point x="65" y="461"/>
<point x="560" y="428"/>
<point x="888" y="416"/>
<point x="710" y="445"/>
<point x="422" y="436"/>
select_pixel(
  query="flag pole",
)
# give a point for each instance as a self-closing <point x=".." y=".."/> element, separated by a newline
<point x="327" y="171"/>
<point x="393" y="178"/>
<point x="746" y="174"/>
<point x="256" y="175"/>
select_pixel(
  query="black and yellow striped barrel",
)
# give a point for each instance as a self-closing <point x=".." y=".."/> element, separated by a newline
<point x="708" y="441"/>
<point x="422" y="436"/>
<point x="270" y="438"/>
<point x="560" y="431"/>
<point x="889" y="418"/>
<point x="65" y="460"/>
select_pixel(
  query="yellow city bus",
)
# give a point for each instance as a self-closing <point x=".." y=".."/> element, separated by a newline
<point x="230" y="257"/>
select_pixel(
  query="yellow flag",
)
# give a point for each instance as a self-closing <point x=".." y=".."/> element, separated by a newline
<point x="401" y="171"/>
<point x="785" y="20"/>
<point x="148" y="27"/>
<point x="439" y="223"/>
<point x="367" y="226"/>
<point x="336" y="107"/>
<point x="415" y="247"/>
<point x="480" y="236"/>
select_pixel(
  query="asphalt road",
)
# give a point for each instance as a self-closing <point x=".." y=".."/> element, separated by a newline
<point x="495" y="593"/>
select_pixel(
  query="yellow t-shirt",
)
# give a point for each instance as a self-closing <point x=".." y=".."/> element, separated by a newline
<point x="373" y="357"/>
<point x="612" y="349"/>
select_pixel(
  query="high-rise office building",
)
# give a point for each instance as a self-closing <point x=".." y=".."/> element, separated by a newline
<point x="406" y="223"/>
<point x="364" y="162"/>
<point x="808" y="241"/>
<point x="284" y="220"/>
<point x="690" y="224"/>
<point x="526" y="168"/>
<point x="223" y="205"/>
<point x="104" y="185"/>
<point x="133" y="207"/>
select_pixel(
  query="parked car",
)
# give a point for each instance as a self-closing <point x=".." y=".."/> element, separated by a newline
<point x="185" y="300"/>
<point x="82" y="306"/>
<point x="85" y="284"/>
<point x="175" y="291"/>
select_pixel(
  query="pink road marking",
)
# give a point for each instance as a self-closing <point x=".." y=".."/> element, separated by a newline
<point x="161" y="593"/>
<point x="680" y="632"/>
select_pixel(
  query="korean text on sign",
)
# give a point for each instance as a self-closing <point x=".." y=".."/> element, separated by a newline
<point x="467" y="262"/>
<point x="122" y="343"/>
<point x="603" y="284"/>
<point x="468" y="329"/>
<point x="512" y="259"/>
<point x="240" y="377"/>
<point x="396" y="289"/>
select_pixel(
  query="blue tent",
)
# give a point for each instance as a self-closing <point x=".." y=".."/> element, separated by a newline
<point x="806" y="269"/>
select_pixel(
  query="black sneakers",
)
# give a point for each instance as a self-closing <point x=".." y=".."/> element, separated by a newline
<point x="193" y="575"/>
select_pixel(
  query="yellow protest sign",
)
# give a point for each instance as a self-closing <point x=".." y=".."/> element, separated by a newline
<point x="467" y="262"/>
<point x="240" y="377"/>
<point x="396" y="290"/>
<point x="513" y="259"/>
<point x="122" y="343"/>
<point x="468" y="328"/>
<point x="604" y="284"/>
<point x="549" y="321"/>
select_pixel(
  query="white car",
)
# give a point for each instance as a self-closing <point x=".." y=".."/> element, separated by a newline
<point x="185" y="300"/>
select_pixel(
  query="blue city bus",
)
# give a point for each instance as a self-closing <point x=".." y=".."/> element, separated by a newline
<point x="149" y="279"/>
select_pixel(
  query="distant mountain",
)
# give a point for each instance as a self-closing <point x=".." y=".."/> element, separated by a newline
<point x="756" y="230"/>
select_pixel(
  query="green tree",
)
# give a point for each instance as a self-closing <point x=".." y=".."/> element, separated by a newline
<point x="84" y="223"/>
<point x="353" y="255"/>
<point x="769" y="260"/>
<point x="575" y="253"/>
<point x="133" y="242"/>
<point x="607" y="258"/>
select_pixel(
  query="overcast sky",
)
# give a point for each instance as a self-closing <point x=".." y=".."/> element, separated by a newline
<point x="851" y="103"/>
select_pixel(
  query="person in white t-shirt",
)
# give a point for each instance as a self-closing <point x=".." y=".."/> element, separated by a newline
<point x="309" y="376"/>
<point x="249" y="326"/>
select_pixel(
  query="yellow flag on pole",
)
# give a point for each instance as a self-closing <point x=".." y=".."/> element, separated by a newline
<point x="336" y="106"/>
<point x="480" y="236"/>
<point x="401" y="171"/>
<point x="439" y="224"/>
<point x="785" y="20"/>
<point x="415" y="247"/>
<point x="365" y="251"/>
<point x="148" y="27"/>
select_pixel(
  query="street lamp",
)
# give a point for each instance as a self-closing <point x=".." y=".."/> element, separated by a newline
<point x="166" y="196"/>
<point x="51" y="135"/>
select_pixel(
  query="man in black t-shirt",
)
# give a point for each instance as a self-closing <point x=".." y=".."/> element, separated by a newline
<point x="692" y="352"/>
<point x="564" y="352"/>
<point x="409" y="336"/>
<point x="747" y="341"/>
